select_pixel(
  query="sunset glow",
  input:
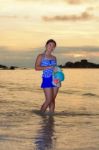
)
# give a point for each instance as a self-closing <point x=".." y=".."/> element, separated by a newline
<point x="28" y="24"/>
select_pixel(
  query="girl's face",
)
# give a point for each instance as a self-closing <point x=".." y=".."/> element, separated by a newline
<point x="50" y="47"/>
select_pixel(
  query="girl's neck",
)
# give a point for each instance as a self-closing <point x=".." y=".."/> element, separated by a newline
<point x="47" y="54"/>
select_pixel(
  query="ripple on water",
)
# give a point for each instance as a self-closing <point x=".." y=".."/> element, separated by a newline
<point x="90" y="94"/>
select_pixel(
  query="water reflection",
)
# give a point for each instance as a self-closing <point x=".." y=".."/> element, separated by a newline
<point x="44" y="139"/>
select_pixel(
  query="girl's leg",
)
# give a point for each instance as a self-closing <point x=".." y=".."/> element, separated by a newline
<point x="49" y="97"/>
<point x="52" y="104"/>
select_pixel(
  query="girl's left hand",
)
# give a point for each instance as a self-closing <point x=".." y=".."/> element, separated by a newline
<point x="55" y="69"/>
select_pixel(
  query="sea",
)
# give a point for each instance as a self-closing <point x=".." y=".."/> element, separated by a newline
<point x="73" y="126"/>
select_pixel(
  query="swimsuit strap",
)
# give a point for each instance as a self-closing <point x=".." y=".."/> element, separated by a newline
<point x="46" y="57"/>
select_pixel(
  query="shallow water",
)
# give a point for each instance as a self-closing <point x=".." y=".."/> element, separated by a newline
<point x="75" y="124"/>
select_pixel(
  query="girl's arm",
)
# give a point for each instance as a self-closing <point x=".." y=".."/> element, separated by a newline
<point x="38" y="64"/>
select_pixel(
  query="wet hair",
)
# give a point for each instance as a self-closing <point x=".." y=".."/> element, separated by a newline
<point x="51" y="40"/>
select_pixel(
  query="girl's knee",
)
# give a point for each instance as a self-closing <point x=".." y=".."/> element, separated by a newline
<point x="50" y="101"/>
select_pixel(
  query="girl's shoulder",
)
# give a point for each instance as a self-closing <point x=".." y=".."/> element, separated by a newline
<point x="53" y="57"/>
<point x="40" y="55"/>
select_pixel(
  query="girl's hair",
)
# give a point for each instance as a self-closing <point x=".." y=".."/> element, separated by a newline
<point x="51" y="40"/>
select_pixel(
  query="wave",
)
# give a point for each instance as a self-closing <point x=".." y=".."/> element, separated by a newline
<point x="70" y="91"/>
<point x="65" y="113"/>
<point x="90" y="94"/>
<point x="78" y="92"/>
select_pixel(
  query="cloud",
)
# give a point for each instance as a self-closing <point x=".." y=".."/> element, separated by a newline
<point x="65" y="54"/>
<point x="84" y="16"/>
<point x="39" y="1"/>
<point x="14" y="17"/>
<point x="7" y="16"/>
<point x="26" y="58"/>
<point x="72" y="2"/>
<point x="18" y="58"/>
<point x="75" y="1"/>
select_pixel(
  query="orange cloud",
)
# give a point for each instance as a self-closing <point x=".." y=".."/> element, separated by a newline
<point x="74" y="1"/>
<point x="68" y="1"/>
<point x="7" y="16"/>
<point x="14" y="17"/>
<point x="84" y="16"/>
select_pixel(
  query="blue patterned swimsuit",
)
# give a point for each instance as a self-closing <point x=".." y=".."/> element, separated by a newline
<point x="47" y="73"/>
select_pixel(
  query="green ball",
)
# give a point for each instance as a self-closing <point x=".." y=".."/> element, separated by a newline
<point x="59" y="75"/>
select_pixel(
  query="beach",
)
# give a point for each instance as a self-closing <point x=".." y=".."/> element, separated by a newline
<point x="73" y="126"/>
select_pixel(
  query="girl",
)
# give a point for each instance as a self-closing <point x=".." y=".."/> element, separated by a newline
<point x="46" y="62"/>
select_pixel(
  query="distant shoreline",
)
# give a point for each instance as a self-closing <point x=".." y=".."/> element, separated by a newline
<point x="83" y="64"/>
<point x="80" y="64"/>
<point x="3" y="67"/>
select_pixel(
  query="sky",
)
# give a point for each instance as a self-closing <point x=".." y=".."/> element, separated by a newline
<point x="26" y="25"/>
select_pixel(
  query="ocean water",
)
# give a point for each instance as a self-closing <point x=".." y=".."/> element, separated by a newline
<point x="75" y="124"/>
